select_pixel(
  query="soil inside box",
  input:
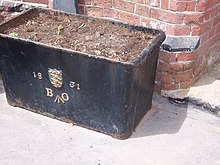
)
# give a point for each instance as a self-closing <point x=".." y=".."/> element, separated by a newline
<point x="90" y="36"/>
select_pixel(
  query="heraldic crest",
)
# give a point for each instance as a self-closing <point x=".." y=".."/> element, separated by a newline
<point x="55" y="77"/>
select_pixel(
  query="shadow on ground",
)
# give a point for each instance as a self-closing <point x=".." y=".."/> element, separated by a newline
<point x="210" y="77"/>
<point x="165" y="117"/>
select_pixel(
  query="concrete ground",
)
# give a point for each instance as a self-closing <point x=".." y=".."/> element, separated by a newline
<point x="169" y="134"/>
<point x="206" y="92"/>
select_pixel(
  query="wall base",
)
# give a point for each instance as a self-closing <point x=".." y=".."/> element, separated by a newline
<point x="176" y="94"/>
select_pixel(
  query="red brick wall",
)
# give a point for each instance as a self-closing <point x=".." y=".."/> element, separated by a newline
<point x="176" y="71"/>
<point x="180" y="70"/>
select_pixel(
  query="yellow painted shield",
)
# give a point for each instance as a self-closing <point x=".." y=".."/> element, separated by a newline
<point x="56" y="77"/>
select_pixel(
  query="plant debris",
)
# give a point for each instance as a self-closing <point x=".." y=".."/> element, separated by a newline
<point x="94" y="37"/>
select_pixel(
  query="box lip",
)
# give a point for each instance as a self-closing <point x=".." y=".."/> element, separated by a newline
<point x="141" y="58"/>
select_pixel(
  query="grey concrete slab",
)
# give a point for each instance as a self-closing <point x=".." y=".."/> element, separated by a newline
<point x="65" y="5"/>
<point x="206" y="90"/>
<point x="168" y="135"/>
<point x="181" y="43"/>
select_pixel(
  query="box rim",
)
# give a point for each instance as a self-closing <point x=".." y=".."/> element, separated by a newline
<point x="143" y="56"/>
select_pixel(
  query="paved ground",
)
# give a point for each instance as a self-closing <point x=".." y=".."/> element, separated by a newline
<point x="168" y="135"/>
<point x="206" y="91"/>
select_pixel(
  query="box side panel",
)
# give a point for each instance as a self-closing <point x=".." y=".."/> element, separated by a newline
<point x="68" y="86"/>
<point x="142" y="87"/>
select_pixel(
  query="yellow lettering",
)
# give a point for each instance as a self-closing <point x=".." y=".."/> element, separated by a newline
<point x="78" y="87"/>
<point x="58" y="99"/>
<point x="39" y="76"/>
<point x="65" y="97"/>
<point x="34" y="74"/>
<point x="49" y="92"/>
<point x="72" y="84"/>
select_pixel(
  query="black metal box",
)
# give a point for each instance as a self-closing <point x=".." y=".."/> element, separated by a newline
<point x="94" y="92"/>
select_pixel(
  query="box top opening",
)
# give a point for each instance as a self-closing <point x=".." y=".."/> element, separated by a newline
<point x="84" y="34"/>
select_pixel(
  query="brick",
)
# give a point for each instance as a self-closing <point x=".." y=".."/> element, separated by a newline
<point x="85" y="2"/>
<point x="94" y="11"/>
<point x="175" y="67"/>
<point x="169" y="67"/>
<point x="200" y="6"/>
<point x="146" y="22"/>
<point x="177" y="6"/>
<point x="205" y="27"/>
<point x="210" y="3"/>
<point x="185" y="56"/>
<point x="181" y="30"/>
<point x="138" y="1"/>
<point x="191" y="6"/>
<point x="158" y="25"/>
<point x="167" y="57"/>
<point x="167" y="16"/>
<point x="129" y="18"/>
<point x="203" y="39"/>
<point x="100" y="12"/>
<point x="142" y="10"/>
<point x="217" y="29"/>
<point x="102" y="3"/>
<point x="197" y="71"/>
<point x="196" y="78"/>
<point x="181" y="6"/>
<point x="203" y="57"/>
<point x="210" y="13"/>
<point x="212" y="32"/>
<point x="170" y="86"/>
<point x="155" y="3"/>
<point x="186" y="85"/>
<point x="195" y="30"/>
<point x="193" y="18"/>
<point x="82" y="9"/>
<point x="203" y="52"/>
<point x="214" y="12"/>
<point x="110" y="13"/>
<point x="166" y="78"/>
<point x="198" y="61"/>
<point x="124" y="5"/>
<point x="216" y="20"/>
<point x="164" y="4"/>
<point x="183" y="77"/>
<point x="188" y="65"/>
